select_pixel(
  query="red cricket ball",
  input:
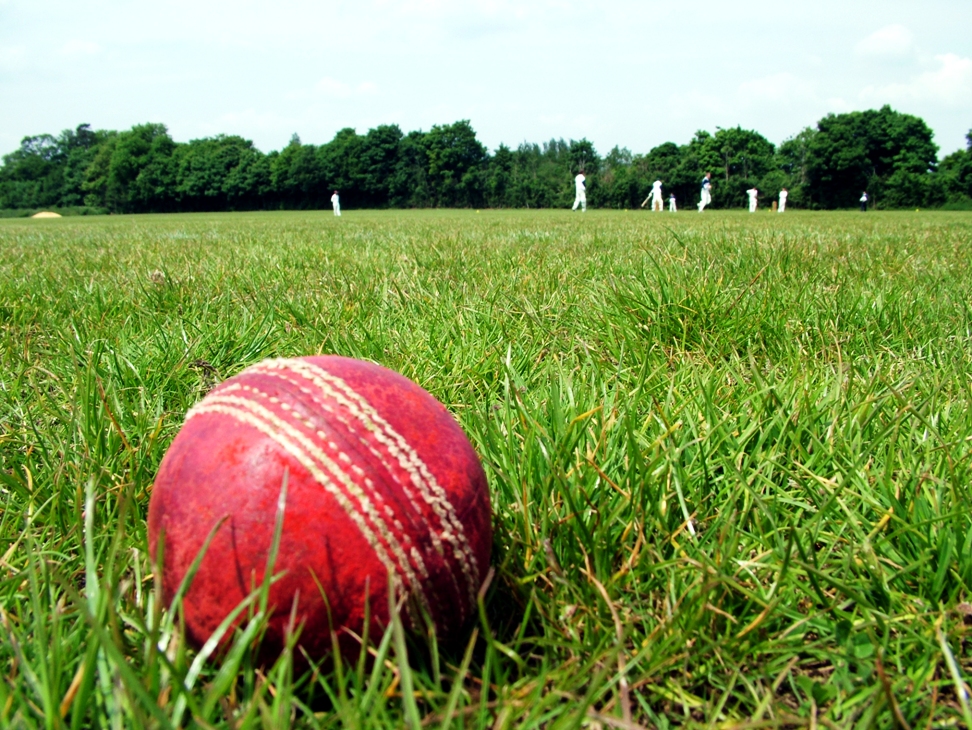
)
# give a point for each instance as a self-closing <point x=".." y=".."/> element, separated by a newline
<point x="383" y="486"/>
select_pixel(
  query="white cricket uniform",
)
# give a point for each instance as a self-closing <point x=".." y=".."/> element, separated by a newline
<point x="656" y="196"/>
<point x="782" y="207"/>
<point x="580" y="192"/>
<point x="706" y="194"/>
<point x="671" y="205"/>
<point x="752" y="193"/>
<point x="336" y="204"/>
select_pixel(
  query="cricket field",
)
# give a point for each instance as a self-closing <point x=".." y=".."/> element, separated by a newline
<point x="730" y="459"/>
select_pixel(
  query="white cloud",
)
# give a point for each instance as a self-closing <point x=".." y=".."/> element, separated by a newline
<point x="838" y="105"/>
<point x="949" y="85"/>
<point x="696" y="106"/>
<point x="12" y="56"/>
<point x="332" y="87"/>
<point x="892" y="40"/>
<point x="779" y="87"/>
<point x="80" y="48"/>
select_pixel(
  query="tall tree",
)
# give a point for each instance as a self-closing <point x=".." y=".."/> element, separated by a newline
<point x="457" y="161"/>
<point x="499" y="176"/>
<point x="889" y="154"/>
<point x="377" y="161"/>
<point x="218" y="173"/>
<point x="955" y="182"/>
<point x="136" y="175"/>
<point x="78" y="147"/>
<point x="410" y="186"/>
<point x="340" y="162"/>
<point x="31" y="176"/>
<point x="792" y="160"/>
<point x="297" y="176"/>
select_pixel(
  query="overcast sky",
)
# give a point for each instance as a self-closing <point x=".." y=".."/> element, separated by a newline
<point x="634" y="73"/>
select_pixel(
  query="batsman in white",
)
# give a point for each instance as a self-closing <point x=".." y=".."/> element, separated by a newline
<point x="782" y="207"/>
<point x="706" y="191"/>
<point x="580" y="192"/>
<point x="752" y="193"/>
<point x="671" y="204"/>
<point x="336" y="204"/>
<point x="657" y="204"/>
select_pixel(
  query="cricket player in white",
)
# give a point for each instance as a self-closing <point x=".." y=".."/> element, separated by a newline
<point x="580" y="194"/>
<point x="752" y="193"/>
<point x="864" y="202"/>
<point x="656" y="197"/>
<point x="783" y="194"/>
<point x="336" y="204"/>
<point x="671" y="204"/>
<point x="706" y="191"/>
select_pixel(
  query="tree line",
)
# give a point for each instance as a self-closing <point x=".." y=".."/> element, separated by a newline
<point x="891" y="155"/>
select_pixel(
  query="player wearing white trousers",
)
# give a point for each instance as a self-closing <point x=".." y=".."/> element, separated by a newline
<point x="671" y="205"/>
<point x="752" y="193"/>
<point x="657" y="204"/>
<point x="336" y="204"/>
<point x="580" y="192"/>
<point x="782" y="207"/>
<point x="706" y="191"/>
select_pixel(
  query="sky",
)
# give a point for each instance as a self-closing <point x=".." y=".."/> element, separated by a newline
<point x="632" y="73"/>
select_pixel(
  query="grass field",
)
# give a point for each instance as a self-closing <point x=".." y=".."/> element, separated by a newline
<point x="729" y="458"/>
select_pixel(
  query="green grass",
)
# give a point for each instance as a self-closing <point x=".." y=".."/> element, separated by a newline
<point x="729" y="458"/>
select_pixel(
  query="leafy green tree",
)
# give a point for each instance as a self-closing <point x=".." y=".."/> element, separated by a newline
<point x="955" y="175"/>
<point x="78" y="147"/>
<point x="738" y="160"/>
<point x="792" y="160"/>
<point x="95" y="184"/>
<point x="377" y="163"/>
<point x="583" y="158"/>
<point x="31" y="176"/>
<point x="617" y="181"/>
<point x="541" y="176"/>
<point x="457" y="161"/>
<point x="499" y="175"/>
<point x="889" y="154"/>
<point x="678" y="168"/>
<point x="133" y="171"/>
<point x="409" y="186"/>
<point x="143" y="169"/>
<point x="340" y="163"/>
<point x="220" y="173"/>
<point x="297" y="176"/>
<point x="247" y="185"/>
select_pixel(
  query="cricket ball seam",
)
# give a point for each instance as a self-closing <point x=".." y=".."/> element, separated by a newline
<point x="369" y="486"/>
<point x="334" y="415"/>
<point x="248" y="417"/>
<point x="422" y="478"/>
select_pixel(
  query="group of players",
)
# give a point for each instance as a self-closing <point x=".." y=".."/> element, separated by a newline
<point x="656" y="198"/>
<point x="658" y="204"/>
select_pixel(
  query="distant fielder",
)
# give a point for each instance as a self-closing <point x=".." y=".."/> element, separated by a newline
<point x="706" y="191"/>
<point x="580" y="192"/>
<point x="864" y="202"/>
<point x="671" y="204"/>
<point x="783" y="194"/>
<point x="336" y="204"/>
<point x="752" y="193"/>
